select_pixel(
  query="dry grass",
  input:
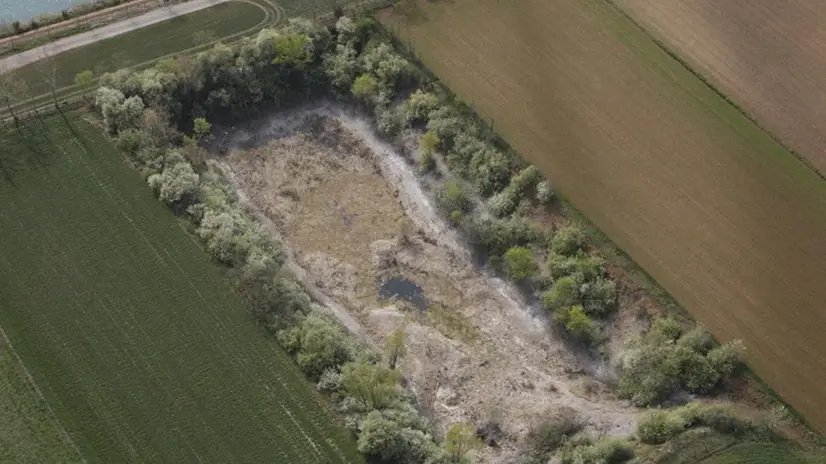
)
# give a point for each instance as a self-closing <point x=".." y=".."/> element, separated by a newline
<point x="724" y="218"/>
<point x="767" y="55"/>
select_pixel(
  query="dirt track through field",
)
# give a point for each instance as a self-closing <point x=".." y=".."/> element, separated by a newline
<point x="724" y="218"/>
<point x="768" y="55"/>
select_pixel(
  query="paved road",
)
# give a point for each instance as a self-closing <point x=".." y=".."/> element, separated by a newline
<point x="111" y="30"/>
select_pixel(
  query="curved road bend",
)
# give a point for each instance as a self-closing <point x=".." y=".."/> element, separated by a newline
<point x="110" y="30"/>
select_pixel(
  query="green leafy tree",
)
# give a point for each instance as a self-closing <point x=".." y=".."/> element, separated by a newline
<point x="429" y="142"/>
<point x="84" y="80"/>
<point x="372" y="385"/>
<point x="460" y="441"/>
<point x="520" y="263"/>
<point x="577" y="322"/>
<point x="563" y="293"/>
<point x="201" y="128"/>
<point x="364" y="88"/>
<point x="293" y="50"/>
<point x="395" y="347"/>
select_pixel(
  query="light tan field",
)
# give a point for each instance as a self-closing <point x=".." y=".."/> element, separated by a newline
<point x="730" y="223"/>
<point x="767" y="55"/>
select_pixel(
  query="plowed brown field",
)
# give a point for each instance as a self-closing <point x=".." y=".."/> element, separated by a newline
<point x="730" y="223"/>
<point x="767" y="55"/>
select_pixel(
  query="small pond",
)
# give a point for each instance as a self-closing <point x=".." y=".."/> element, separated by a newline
<point x="403" y="289"/>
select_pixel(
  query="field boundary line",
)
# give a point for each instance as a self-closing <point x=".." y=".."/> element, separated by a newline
<point x="751" y="118"/>
<point x="4" y="338"/>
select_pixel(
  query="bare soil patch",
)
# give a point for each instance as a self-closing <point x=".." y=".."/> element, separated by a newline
<point x="479" y="351"/>
<point x="729" y="223"/>
<point x="769" y="56"/>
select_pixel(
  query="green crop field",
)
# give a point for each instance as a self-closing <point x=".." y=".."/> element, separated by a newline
<point x="29" y="431"/>
<point x="133" y="336"/>
<point x="764" y="453"/>
<point x="145" y="44"/>
<point x="726" y="220"/>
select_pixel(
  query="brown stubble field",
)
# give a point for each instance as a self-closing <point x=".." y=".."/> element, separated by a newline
<point x="767" y="55"/>
<point x="720" y="215"/>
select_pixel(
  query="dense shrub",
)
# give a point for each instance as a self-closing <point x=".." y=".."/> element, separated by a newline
<point x="599" y="296"/>
<point x="373" y="385"/>
<point x="497" y="236"/>
<point x="568" y="240"/>
<point x="658" y="364"/>
<point x="583" y="268"/>
<point x="452" y="197"/>
<point x="604" y="451"/>
<point x="659" y="426"/>
<point x="177" y="183"/>
<point x="418" y="106"/>
<point x="447" y="124"/>
<point x="525" y="179"/>
<point x="318" y="345"/>
<point x="388" y="67"/>
<point x="503" y="203"/>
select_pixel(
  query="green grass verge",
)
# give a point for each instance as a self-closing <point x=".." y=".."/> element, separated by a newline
<point x="144" y="44"/>
<point x="133" y="336"/>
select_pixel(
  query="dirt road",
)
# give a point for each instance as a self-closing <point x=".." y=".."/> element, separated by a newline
<point x="121" y="27"/>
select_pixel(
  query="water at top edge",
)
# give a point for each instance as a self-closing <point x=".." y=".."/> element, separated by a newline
<point x="24" y="10"/>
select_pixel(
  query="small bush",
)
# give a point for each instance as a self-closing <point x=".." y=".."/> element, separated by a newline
<point x="520" y="263"/>
<point x="552" y="433"/>
<point x="452" y="197"/>
<point x="659" y="426"/>
<point x="568" y="240"/>
<point x="544" y="192"/>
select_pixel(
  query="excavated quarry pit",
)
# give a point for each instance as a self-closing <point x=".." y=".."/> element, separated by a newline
<point x="353" y="214"/>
